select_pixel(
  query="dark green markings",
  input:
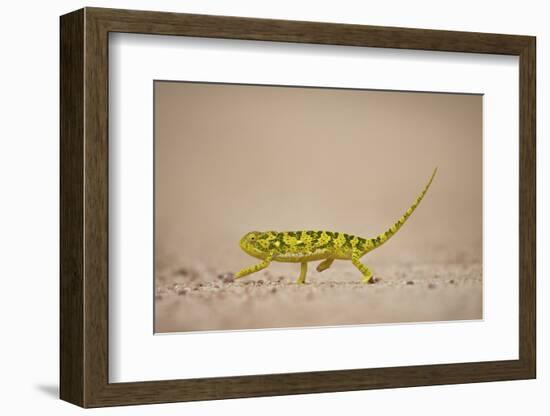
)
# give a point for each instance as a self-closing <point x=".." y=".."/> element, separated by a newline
<point x="376" y="241"/>
<point x="277" y="241"/>
<point x="361" y="243"/>
<point x="348" y="243"/>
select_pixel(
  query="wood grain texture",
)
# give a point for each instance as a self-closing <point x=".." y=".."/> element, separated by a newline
<point x="527" y="208"/>
<point x="71" y="100"/>
<point x="96" y="146"/>
<point x="162" y="23"/>
<point x="84" y="207"/>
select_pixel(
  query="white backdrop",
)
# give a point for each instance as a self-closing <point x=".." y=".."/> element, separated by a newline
<point x="131" y="206"/>
<point x="29" y="220"/>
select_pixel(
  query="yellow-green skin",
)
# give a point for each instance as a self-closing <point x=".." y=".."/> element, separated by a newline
<point x="305" y="246"/>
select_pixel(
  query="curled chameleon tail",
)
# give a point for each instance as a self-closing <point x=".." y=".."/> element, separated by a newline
<point x="390" y="232"/>
<point x="305" y="246"/>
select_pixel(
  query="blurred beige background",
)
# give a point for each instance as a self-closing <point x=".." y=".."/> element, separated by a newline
<point x="236" y="158"/>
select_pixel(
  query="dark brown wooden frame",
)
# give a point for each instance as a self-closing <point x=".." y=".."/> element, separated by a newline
<point x="84" y="210"/>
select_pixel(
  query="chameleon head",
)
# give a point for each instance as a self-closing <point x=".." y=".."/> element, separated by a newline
<point x="254" y="244"/>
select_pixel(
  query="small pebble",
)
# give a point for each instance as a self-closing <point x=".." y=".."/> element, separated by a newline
<point x="182" y="271"/>
<point x="260" y="282"/>
<point x="183" y="291"/>
<point x="410" y="282"/>
<point x="452" y="281"/>
<point x="431" y="286"/>
<point x="227" y="277"/>
<point x="273" y="290"/>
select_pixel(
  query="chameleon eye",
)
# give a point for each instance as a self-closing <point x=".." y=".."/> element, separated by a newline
<point x="252" y="237"/>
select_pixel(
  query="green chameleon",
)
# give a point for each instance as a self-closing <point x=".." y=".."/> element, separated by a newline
<point x="305" y="246"/>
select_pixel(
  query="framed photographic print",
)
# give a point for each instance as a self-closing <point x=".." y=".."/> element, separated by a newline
<point x="255" y="207"/>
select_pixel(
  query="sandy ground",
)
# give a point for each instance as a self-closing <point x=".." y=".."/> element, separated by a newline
<point x="203" y="299"/>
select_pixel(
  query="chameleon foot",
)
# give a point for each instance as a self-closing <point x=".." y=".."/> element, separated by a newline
<point x="303" y="271"/>
<point x="253" y="269"/>
<point x="368" y="279"/>
<point x="371" y="280"/>
<point x="325" y="264"/>
<point x="365" y="271"/>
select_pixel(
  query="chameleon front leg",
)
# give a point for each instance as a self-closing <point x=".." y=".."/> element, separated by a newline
<point x="303" y="271"/>
<point x="325" y="264"/>
<point x="253" y="269"/>
<point x="367" y="274"/>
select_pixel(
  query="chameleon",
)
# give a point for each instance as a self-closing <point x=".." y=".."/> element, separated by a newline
<point x="306" y="246"/>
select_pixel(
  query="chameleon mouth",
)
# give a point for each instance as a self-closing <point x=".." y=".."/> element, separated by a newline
<point x="251" y="250"/>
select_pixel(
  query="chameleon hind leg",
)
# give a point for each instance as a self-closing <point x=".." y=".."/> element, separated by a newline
<point x="303" y="271"/>
<point x="253" y="269"/>
<point x="365" y="271"/>
<point x="325" y="264"/>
